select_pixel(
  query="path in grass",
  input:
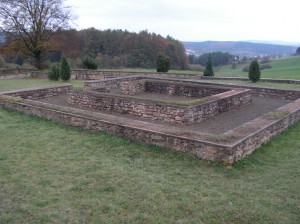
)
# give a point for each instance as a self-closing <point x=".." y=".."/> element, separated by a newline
<point x="50" y="173"/>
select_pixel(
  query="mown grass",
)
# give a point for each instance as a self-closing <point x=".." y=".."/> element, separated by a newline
<point x="51" y="173"/>
<point x="283" y="68"/>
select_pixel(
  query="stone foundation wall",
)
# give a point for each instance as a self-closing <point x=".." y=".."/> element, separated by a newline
<point x="36" y="93"/>
<point x="132" y="87"/>
<point x="210" y="106"/>
<point x="182" y="89"/>
<point x="255" y="91"/>
<point x="228" y="153"/>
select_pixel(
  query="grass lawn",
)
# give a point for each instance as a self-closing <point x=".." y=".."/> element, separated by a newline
<point x="51" y="173"/>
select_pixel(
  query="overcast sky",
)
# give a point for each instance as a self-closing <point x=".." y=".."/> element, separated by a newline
<point x="194" y="20"/>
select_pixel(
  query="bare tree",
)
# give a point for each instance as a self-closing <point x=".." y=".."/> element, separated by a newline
<point x="34" y="22"/>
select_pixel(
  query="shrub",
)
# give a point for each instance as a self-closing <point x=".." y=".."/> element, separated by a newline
<point x="233" y="65"/>
<point x="265" y="60"/>
<point x="65" y="71"/>
<point x="162" y="63"/>
<point x="254" y="71"/>
<point x="246" y="68"/>
<point x="54" y="73"/>
<point x="209" y="69"/>
<point x="89" y="63"/>
<point x="265" y="66"/>
<point x="196" y="67"/>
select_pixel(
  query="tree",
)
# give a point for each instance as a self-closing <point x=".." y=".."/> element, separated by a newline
<point x="65" y="71"/>
<point x="162" y="63"/>
<point x="209" y="69"/>
<point x="34" y="23"/>
<point x="298" y="51"/>
<point x="54" y="73"/>
<point x="89" y="63"/>
<point x="254" y="71"/>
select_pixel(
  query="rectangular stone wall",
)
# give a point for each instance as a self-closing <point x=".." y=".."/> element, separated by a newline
<point x="123" y="105"/>
<point x="212" y="108"/>
<point x="36" y="93"/>
<point x="132" y="87"/>
<point x="227" y="153"/>
<point x="261" y="91"/>
<point x="163" y="112"/>
<point x="182" y="89"/>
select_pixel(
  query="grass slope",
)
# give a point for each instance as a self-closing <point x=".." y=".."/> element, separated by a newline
<point x="284" y="68"/>
<point x="51" y="173"/>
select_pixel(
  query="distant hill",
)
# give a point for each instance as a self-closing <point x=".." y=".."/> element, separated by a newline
<point x="239" y="48"/>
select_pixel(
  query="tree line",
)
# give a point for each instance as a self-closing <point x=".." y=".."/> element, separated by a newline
<point x="108" y="48"/>
<point x="40" y="31"/>
<point x="118" y="48"/>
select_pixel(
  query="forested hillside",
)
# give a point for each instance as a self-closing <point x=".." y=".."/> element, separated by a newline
<point x="109" y="48"/>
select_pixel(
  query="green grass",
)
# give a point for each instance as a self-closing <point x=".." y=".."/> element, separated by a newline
<point x="284" y="68"/>
<point x="51" y="173"/>
<point x="13" y="84"/>
<point x="259" y="84"/>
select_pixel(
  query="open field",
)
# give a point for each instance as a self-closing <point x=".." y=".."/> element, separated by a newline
<point x="50" y="173"/>
<point x="285" y="68"/>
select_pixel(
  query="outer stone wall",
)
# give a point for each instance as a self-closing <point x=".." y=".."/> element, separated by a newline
<point x="244" y="140"/>
<point x="36" y="93"/>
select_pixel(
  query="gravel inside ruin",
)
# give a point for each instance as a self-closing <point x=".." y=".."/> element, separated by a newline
<point x="215" y="125"/>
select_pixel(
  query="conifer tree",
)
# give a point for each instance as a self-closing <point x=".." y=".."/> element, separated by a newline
<point x="209" y="68"/>
<point x="254" y="71"/>
<point x="65" y="71"/>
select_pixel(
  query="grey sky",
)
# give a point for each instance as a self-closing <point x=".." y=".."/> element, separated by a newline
<point x="194" y="20"/>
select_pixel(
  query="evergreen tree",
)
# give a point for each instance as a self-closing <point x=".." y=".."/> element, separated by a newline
<point x="209" y="68"/>
<point x="254" y="71"/>
<point x="162" y="63"/>
<point x="298" y="51"/>
<point x="65" y="71"/>
<point x="54" y="73"/>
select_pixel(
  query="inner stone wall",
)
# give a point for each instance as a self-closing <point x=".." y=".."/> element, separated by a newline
<point x="182" y="89"/>
<point x="154" y="110"/>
